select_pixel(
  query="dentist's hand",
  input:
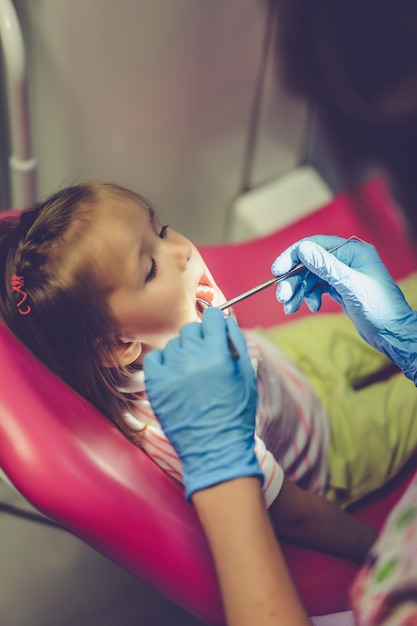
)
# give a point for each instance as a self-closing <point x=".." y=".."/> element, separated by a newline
<point x="206" y="401"/>
<point x="356" y="278"/>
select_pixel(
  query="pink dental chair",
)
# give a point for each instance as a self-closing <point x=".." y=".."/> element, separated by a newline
<point x="74" y="466"/>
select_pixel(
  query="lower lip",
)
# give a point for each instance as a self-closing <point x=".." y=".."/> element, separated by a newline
<point x="202" y="305"/>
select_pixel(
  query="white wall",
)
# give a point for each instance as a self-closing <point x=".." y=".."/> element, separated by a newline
<point x="156" y="95"/>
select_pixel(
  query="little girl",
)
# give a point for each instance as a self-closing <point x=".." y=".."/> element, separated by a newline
<point x="93" y="281"/>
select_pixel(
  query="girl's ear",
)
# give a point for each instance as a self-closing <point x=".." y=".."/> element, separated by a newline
<point x="128" y="350"/>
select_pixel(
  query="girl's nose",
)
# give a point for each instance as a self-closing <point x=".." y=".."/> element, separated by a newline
<point x="182" y="253"/>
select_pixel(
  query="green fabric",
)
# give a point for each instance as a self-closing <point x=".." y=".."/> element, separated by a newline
<point x="373" y="430"/>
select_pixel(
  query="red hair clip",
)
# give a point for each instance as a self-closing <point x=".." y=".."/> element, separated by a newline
<point x="17" y="285"/>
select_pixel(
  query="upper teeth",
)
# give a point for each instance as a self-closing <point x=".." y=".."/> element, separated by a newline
<point x="204" y="291"/>
<point x="204" y="288"/>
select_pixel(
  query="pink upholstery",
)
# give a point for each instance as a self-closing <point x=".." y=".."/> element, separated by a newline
<point x="76" y="467"/>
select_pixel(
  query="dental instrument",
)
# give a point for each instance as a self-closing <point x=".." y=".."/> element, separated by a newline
<point x="204" y="304"/>
<point x="270" y="281"/>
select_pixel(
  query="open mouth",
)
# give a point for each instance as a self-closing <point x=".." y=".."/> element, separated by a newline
<point x="208" y="295"/>
<point x="202" y="305"/>
<point x="204" y="297"/>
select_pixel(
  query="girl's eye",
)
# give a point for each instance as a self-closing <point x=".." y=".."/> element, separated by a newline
<point x="154" y="266"/>
<point x="152" y="272"/>
<point x="163" y="231"/>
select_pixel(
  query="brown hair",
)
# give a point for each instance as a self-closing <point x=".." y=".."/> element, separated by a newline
<point x="70" y="327"/>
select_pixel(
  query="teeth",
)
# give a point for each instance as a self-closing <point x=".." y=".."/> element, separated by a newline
<point x="204" y="292"/>
<point x="204" y="288"/>
<point x="204" y="296"/>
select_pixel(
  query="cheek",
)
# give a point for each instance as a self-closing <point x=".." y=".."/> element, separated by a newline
<point x="165" y="328"/>
<point x="176" y="301"/>
<point x="176" y="314"/>
<point x="170" y="313"/>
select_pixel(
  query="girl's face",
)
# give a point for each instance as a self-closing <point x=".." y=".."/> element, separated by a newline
<point x="152" y="273"/>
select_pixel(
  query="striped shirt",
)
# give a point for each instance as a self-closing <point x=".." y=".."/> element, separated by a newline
<point x="292" y="432"/>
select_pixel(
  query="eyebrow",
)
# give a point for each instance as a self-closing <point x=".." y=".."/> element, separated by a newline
<point x="151" y="213"/>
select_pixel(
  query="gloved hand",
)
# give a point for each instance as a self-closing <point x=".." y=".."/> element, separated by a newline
<point x="206" y="401"/>
<point x="356" y="278"/>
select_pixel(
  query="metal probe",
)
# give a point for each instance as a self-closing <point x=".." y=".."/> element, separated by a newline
<point x="273" y="280"/>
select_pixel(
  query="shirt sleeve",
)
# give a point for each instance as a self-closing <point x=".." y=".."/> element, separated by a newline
<point x="154" y="442"/>
<point x="273" y="472"/>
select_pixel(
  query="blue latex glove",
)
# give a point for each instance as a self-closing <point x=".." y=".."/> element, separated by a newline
<point x="357" y="279"/>
<point x="206" y="401"/>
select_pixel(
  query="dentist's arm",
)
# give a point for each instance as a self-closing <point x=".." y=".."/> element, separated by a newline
<point x="254" y="580"/>
<point x="357" y="279"/>
<point x="206" y="402"/>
